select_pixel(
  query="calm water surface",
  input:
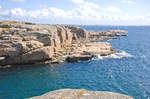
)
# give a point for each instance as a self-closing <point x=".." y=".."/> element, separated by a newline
<point x="127" y="75"/>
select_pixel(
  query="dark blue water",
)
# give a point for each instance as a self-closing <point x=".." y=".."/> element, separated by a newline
<point x="127" y="75"/>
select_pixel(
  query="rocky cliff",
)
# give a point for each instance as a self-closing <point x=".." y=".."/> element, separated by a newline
<point x="29" y="43"/>
<point x="81" y="94"/>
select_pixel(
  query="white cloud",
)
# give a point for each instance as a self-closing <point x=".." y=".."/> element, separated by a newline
<point x="18" y="12"/>
<point x="34" y="13"/>
<point x="3" y="12"/>
<point x="86" y="12"/>
<point x="78" y="1"/>
<point x="18" y="0"/>
<point x="128" y="1"/>
<point x="113" y="9"/>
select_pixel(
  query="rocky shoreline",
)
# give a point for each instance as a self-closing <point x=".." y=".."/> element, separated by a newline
<point x="30" y="43"/>
<point x="81" y="94"/>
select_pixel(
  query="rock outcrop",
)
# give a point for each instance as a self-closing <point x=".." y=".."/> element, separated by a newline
<point x="29" y="43"/>
<point x="81" y="94"/>
<point x="84" y="52"/>
<point x="106" y="35"/>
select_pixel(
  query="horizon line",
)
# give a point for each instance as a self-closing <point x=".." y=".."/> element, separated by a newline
<point x="74" y="24"/>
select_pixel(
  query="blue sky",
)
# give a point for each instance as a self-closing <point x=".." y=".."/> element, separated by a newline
<point x="91" y="12"/>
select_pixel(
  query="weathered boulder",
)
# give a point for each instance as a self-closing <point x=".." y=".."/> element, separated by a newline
<point x="81" y="94"/>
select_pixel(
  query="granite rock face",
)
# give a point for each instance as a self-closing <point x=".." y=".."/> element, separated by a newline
<point x="26" y="43"/>
<point x="81" y="94"/>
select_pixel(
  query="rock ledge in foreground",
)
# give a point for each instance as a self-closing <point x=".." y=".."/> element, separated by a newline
<point x="81" y="94"/>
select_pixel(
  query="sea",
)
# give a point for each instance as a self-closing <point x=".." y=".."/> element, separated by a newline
<point x="126" y="72"/>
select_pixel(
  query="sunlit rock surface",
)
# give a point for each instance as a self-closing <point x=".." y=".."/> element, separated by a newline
<point x="29" y="43"/>
<point x="81" y="94"/>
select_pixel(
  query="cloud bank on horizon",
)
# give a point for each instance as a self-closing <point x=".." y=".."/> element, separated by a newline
<point x="114" y="12"/>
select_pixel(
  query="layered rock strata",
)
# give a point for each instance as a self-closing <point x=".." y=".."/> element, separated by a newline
<point x="29" y="43"/>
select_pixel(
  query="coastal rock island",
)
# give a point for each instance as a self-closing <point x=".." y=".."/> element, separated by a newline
<point x="81" y="94"/>
<point x="30" y="43"/>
